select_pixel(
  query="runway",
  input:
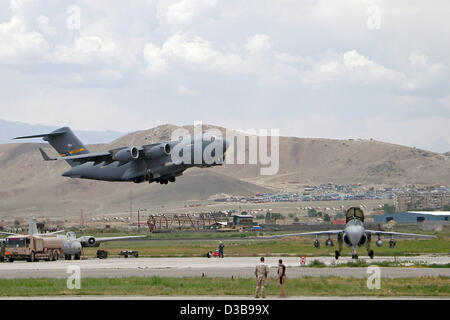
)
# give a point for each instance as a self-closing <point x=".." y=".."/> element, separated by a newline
<point x="242" y="267"/>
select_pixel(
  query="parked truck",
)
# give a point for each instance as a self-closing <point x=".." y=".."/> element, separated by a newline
<point x="32" y="248"/>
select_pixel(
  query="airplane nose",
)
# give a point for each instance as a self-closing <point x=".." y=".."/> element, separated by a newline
<point x="354" y="234"/>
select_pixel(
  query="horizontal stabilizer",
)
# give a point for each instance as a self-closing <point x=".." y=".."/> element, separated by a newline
<point x="45" y="156"/>
<point x="53" y="134"/>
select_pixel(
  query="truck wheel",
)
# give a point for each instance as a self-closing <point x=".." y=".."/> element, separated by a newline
<point x="77" y="257"/>
<point x="50" y="256"/>
<point x="11" y="260"/>
<point x="56" y="256"/>
<point x="32" y="259"/>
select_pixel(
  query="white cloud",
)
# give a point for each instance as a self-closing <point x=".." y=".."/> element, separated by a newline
<point x="18" y="44"/>
<point x="177" y="15"/>
<point x="86" y="50"/>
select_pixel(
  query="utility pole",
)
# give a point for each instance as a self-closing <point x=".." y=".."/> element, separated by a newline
<point x="131" y="206"/>
<point x="82" y="218"/>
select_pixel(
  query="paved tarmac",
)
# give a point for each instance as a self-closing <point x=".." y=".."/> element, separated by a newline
<point x="242" y="267"/>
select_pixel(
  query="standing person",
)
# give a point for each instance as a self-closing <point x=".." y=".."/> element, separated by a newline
<point x="261" y="273"/>
<point x="281" y="277"/>
<point x="221" y="246"/>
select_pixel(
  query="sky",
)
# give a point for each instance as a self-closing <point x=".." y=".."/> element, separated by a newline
<point x="360" y="69"/>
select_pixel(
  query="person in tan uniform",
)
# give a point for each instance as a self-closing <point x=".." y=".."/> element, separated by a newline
<point x="261" y="273"/>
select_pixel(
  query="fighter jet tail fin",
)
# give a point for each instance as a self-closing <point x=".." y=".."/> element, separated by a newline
<point x="64" y="141"/>
<point x="32" y="226"/>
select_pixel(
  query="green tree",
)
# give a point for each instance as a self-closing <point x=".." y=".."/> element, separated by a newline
<point x="326" y="217"/>
<point x="388" y="208"/>
<point x="312" y="213"/>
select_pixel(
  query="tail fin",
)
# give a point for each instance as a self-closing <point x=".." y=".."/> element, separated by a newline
<point x="64" y="141"/>
<point x="32" y="227"/>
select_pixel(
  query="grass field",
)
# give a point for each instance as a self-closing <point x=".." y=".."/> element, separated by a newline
<point x="157" y="286"/>
<point x="290" y="246"/>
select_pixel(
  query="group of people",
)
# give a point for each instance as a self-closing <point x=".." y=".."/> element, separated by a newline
<point x="262" y="272"/>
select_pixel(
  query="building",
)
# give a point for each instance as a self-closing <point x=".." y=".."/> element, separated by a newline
<point x="409" y="201"/>
<point x="243" y="219"/>
<point x="412" y="217"/>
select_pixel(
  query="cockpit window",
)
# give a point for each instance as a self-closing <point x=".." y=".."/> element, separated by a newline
<point x="354" y="213"/>
<point x="15" y="242"/>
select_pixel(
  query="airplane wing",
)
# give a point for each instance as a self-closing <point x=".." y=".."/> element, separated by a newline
<point x="104" y="239"/>
<point x="10" y="234"/>
<point x="55" y="232"/>
<point x="317" y="233"/>
<point x="398" y="234"/>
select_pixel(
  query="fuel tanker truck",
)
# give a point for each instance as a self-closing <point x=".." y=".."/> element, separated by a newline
<point x="32" y="248"/>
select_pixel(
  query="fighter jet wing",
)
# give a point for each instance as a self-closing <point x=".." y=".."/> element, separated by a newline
<point x="104" y="239"/>
<point x="318" y="233"/>
<point x="398" y="234"/>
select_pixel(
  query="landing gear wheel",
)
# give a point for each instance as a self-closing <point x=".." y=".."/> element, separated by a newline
<point x="371" y="254"/>
<point x="77" y="257"/>
<point x="336" y="255"/>
<point x="68" y="257"/>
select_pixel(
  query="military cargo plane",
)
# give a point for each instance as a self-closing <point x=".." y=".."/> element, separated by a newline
<point x="151" y="163"/>
<point x="355" y="235"/>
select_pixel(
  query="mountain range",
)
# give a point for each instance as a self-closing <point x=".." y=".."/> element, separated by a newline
<point x="28" y="184"/>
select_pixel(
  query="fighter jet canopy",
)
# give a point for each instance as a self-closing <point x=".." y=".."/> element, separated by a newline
<point x="354" y="213"/>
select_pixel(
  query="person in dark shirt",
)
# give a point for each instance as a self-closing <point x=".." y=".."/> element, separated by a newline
<point x="281" y="277"/>
<point x="221" y="246"/>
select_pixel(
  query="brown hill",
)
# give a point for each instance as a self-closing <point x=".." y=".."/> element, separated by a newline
<point x="28" y="184"/>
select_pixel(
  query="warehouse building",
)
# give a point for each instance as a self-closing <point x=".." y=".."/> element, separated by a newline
<point x="412" y="217"/>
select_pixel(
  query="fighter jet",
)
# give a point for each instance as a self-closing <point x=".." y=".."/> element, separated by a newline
<point x="151" y="163"/>
<point x="355" y="235"/>
<point x="71" y="245"/>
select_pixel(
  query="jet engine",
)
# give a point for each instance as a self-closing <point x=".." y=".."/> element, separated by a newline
<point x="126" y="155"/>
<point x="158" y="151"/>
<point x="88" y="241"/>
<point x="363" y="240"/>
<point x="347" y="241"/>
